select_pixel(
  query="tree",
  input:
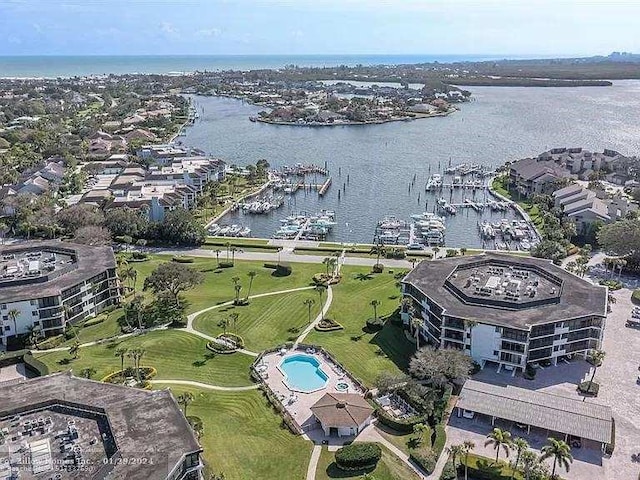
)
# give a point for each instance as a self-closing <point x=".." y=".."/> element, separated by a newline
<point x="622" y="238"/>
<point x="233" y="320"/>
<point x="74" y="350"/>
<point x="121" y="352"/>
<point x="499" y="439"/>
<point x="559" y="451"/>
<point x="137" y="354"/>
<point x="78" y="216"/>
<point x="463" y="251"/>
<point x="92" y="235"/>
<point x="455" y="451"/>
<point x="185" y="399"/>
<point x="468" y="446"/>
<point x="320" y="291"/>
<point x="440" y="366"/>
<point x="13" y="315"/>
<point x="237" y="287"/>
<point x="252" y="274"/>
<point x="375" y="304"/>
<point x="233" y="255"/>
<point x="520" y="445"/>
<point x="174" y="278"/>
<point x="596" y="357"/>
<point x="182" y="228"/>
<point x="378" y="250"/>
<point x="387" y="381"/>
<point x="126" y="221"/>
<point x="416" y="323"/>
<point x="309" y="302"/>
<point x="419" y="430"/>
<point x="87" y="372"/>
<point x="435" y="251"/>
<point x="218" y="251"/>
<point x="530" y="462"/>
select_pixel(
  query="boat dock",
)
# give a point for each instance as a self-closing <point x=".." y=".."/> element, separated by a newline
<point x="325" y="186"/>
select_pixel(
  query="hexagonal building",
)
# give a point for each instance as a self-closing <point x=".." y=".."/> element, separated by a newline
<point x="46" y="285"/>
<point x="505" y="309"/>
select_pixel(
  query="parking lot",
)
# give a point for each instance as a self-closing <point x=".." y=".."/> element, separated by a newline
<point x="618" y="388"/>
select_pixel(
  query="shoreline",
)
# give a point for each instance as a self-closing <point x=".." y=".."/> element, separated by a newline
<point x="417" y="116"/>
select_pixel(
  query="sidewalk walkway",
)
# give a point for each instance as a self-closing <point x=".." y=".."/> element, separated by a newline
<point x="313" y="462"/>
<point x="204" y="385"/>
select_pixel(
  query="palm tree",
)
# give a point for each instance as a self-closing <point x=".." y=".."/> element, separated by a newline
<point x="233" y="320"/>
<point x="309" y="302"/>
<point x="74" y="349"/>
<point x="463" y="251"/>
<point x="378" y="250"/>
<point x="131" y="272"/>
<point x="320" y="289"/>
<point x="121" y="352"/>
<point x="326" y="262"/>
<point x="185" y="399"/>
<point x="468" y="446"/>
<point x="529" y="461"/>
<point x="237" y="287"/>
<point x="224" y="323"/>
<point x="499" y="439"/>
<point x="413" y="262"/>
<point x="134" y="276"/>
<point x="3" y="230"/>
<point x="520" y="445"/>
<point x="218" y="251"/>
<point x="455" y="451"/>
<point x="416" y="323"/>
<point x="228" y="245"/>
<point x="597" y="357"/>
<point x="561" y="453"/>
<point x="252" y="274"/>
<point x="13" y="315"/>
<point x="233" y="254"/>
<point x="435" y="251"/>
<point x="375" y="304"/>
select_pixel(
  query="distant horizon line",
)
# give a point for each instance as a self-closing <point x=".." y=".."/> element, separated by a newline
<point x="503" y="55"/>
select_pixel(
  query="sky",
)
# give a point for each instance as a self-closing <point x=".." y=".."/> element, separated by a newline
<point x="305" y="27"/>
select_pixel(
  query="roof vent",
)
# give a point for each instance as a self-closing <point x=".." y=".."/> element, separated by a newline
<point x="341" y="405"/>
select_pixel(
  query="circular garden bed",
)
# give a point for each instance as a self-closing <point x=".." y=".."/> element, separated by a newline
<point x="129" y="376"/>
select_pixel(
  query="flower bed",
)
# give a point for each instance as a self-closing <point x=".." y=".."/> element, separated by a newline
<point x="328" y="325"/>
<point x="232" y="339"/>
<point x="120" y="376"/>
<point x="216" y="347"/>
<point x="324" y="279"/>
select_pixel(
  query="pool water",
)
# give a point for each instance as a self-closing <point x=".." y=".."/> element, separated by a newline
<point x="303" y="373"/>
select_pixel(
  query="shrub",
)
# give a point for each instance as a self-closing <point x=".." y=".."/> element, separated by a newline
<point x="439" y="440"/>
<point x="635" y="296"/>
<point x="282" y="270"/>
<point x="610" y="447"/>
<point x="530" y="372"/>
<point x="51" y="342"/>
<point x="271" y="266"/>
<point x="375" y="324"/>
<point x="448" y="472"/>
<point x="139" y="256"/>
<point x="589" y="388"/>
<point x="35" y="365"/>
<point x="94" y="321"/>
<point x="475" y="368"/>
<point x="182" y="259"/>
<point x="425" y="459"/>
<point x="358" y="456"/>
<point x="225" y="264"/>
<point x="440" y="405"/>
<point x="612" y="284"/>
<point x="402" y="425"/>
<point x="377" y="268"/>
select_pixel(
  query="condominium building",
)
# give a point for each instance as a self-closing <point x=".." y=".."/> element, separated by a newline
<point x="505" y="310"/>
<point x="47" y="285"/>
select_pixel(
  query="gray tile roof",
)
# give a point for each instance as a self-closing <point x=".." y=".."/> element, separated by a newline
<point x="342" y="410"/>
<point x="543" y="410"/>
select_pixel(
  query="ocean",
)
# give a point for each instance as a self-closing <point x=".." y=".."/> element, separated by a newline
<point x="70" y="66"/>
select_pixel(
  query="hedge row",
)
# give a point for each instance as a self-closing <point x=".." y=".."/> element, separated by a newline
<point x="439" y="439"/>
<point x="35" y="365"/>
<point x="358" y="456"/>
<point x="425" y="459"/>
<point x="182" y="259"/>
<point x="94" y="321"/>
<point x="400" y="425"/>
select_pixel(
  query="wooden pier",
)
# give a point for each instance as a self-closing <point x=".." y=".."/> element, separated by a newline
<point x="325" y="186"/>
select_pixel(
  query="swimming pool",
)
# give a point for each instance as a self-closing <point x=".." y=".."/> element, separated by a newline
<point x="303" y="373"/>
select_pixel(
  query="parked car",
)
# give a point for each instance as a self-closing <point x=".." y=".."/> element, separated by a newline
<point x="632" y="324"/>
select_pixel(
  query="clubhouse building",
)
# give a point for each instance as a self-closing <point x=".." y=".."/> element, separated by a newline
<point x="46" y="285"/>
<point x="505" y="310"/>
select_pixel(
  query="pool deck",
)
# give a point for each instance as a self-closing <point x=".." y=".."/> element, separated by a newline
<point x="298" y="404"/>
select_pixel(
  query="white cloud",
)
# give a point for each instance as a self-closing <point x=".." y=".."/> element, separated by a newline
<point x="169" y="29"/>
<point x="209" y="32"/>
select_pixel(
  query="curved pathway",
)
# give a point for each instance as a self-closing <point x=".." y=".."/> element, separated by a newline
<point x="205" y="385"/>
<point x="313" y="462"/>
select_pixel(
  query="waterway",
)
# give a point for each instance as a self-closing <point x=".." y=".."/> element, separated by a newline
<point x="501" y="124"/>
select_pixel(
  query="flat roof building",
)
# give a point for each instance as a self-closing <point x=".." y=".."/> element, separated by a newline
<point x="61" y="426"/>
<point x="505" y="309"/>
<point x="50" y="284"/>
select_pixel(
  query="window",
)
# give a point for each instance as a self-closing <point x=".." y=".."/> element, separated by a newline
<point x="495" y="353"/>
<point x="7" y="328"/>
<point x="4" y="306"/>
<point x="34" y="314"/>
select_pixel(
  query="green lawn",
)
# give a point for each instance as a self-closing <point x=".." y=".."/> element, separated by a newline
<point x="176" y="355"/>
<point x="499" y="186"/>
<point x="365" y="354"/>
<point x="108" y="328"/>
<point x="243" y="437"/>
<point x="218" y="287"/>
<point x="265" y="322"/>
<point x="400" y="440"/>
<point x="389" y="467"/>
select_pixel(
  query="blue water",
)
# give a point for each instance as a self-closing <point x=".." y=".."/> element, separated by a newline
<point x="70" y="66"/>
<point x="303" y="373"/>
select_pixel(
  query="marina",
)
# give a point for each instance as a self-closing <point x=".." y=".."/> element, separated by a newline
<point x="382" y="170"/>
